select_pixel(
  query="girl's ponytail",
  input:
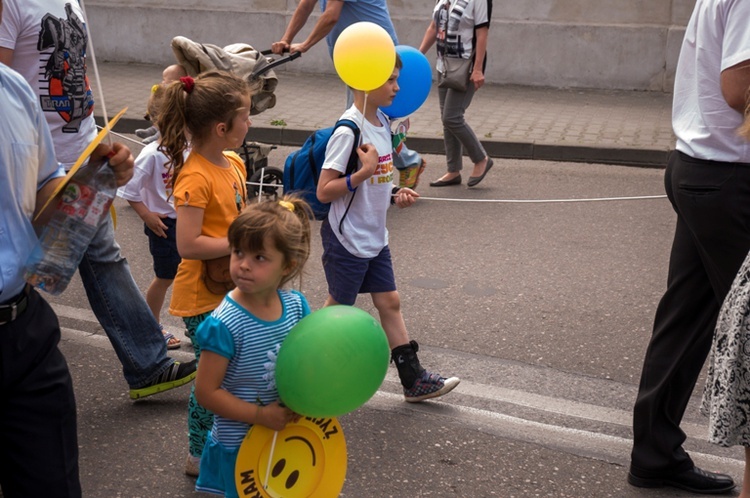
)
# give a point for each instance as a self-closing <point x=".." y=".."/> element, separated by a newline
<point x="194" y="107"/>
<point x="172" y="124"/>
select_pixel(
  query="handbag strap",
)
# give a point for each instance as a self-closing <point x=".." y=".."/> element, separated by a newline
<point x="242" y="187"/>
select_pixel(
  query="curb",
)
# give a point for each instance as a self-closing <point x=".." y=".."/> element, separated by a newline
<point x="645" y="158"/>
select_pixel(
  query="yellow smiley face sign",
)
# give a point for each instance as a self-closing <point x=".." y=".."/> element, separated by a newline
<point x="307" y="458"/>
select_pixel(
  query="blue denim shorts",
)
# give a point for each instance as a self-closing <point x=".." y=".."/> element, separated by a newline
<point x="348" y="275"/>
<point x="164" y="251"/>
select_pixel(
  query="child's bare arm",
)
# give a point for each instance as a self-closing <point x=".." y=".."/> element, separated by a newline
<point x="212" y="368"/>
<point x="331" y="185"/>
<point x="191" y="244"/>
<point x="151" y="219"/>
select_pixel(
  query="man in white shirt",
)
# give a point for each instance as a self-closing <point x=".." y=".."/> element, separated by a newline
<point x="707" y="181"/>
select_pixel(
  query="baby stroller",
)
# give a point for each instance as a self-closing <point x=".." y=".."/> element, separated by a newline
<point x="257" y="69"/>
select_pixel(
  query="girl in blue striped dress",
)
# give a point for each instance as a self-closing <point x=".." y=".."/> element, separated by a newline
<point x="270" y="243"/>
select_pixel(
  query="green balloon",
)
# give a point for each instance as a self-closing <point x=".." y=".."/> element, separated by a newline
<point x="332" y="362"/>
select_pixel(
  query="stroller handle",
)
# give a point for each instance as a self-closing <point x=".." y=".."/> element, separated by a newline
<point x="276" y="63"/>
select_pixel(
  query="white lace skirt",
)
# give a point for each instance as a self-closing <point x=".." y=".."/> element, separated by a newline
<point x="726" y="397"/>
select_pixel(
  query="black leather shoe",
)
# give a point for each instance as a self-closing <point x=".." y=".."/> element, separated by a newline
<point x="474" y="180"/>
<point x="694" y="480"/>
<point x="444" y="183"/>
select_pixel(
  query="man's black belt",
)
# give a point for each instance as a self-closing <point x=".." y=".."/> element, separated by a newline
<point x="15" y="307"/>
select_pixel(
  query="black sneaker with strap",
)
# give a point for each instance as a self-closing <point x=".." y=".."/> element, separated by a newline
<point x="418" y="383"/>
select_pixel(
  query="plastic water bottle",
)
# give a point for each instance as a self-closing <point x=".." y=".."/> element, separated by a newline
<point x="84" y="203"/>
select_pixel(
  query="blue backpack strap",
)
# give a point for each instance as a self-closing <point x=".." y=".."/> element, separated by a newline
<point x="351" y="166"/>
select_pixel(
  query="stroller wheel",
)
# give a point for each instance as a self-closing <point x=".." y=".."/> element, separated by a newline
<point x="273" y="179"/>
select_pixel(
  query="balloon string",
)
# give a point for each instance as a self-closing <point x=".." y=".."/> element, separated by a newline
<point x="362" y="125"/>
<point x="270" y="460"/>
<point x="96" y="71"/>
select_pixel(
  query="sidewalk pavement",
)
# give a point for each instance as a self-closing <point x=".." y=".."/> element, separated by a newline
<point x="595" y="126"/>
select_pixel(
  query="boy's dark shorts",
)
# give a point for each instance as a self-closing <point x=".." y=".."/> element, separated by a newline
<point x="348" y="275"/>
<point x="164" y="251"/>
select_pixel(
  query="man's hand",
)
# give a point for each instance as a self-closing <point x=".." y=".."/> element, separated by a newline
<point x="298" y="47"/>
<point x="120" y="160"/>
<point x="280" y="47"/>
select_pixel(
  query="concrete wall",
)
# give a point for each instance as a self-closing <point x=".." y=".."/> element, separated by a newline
<point x="614" y="44"/>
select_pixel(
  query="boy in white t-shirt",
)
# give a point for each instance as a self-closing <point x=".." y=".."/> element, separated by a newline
<point x="356" y="257"/>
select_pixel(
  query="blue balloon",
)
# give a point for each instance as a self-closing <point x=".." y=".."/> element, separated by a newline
<point x="414" y="80"/>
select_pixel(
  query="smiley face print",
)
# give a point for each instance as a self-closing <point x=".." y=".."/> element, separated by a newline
<point x="307" y="458"/>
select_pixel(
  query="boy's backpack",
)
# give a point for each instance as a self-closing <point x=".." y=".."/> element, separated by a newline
<point x="302" y="168"/>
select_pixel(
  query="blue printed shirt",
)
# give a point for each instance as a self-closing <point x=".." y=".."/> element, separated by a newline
<point x="352" y="11"/>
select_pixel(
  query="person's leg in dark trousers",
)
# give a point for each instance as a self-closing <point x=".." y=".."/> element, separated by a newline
<point x="711" y="240"/>
<point x="38" y="439"/>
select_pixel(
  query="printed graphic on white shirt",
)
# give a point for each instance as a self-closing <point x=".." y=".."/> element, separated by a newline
<point x="384" y="171"/>
<point x="68" y="92"/>
<point x="449" y="39"/>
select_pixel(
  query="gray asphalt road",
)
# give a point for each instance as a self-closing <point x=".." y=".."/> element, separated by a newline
<point x="544" y="310"/>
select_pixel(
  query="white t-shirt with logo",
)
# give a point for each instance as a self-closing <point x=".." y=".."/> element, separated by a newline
<point x="152" y="182"/>
<point x="49" y="40"/>
<point x="717" y="37"/>
<point x="363" y="232"/>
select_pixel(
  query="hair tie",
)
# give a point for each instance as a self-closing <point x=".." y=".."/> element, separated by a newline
<point x="188" y="83"/>
<point x="287" y="204"/>
<point x="155" y="88"/>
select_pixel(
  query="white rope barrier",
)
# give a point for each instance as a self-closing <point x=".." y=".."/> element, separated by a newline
<point x="515" y="201"/>
<point x="448" y="199"/>
<point x="542" y="201"/>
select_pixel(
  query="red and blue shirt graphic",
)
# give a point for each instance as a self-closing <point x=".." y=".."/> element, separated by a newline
<point x="68" y="92"/>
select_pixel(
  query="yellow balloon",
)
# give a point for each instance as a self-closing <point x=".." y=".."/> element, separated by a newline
<point x="364" y="56"/>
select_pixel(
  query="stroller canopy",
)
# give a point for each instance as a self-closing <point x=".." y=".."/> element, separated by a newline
<point x="239" y="58"/>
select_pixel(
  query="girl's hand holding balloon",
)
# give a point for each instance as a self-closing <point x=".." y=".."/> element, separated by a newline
<point x="274" y="416"/>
